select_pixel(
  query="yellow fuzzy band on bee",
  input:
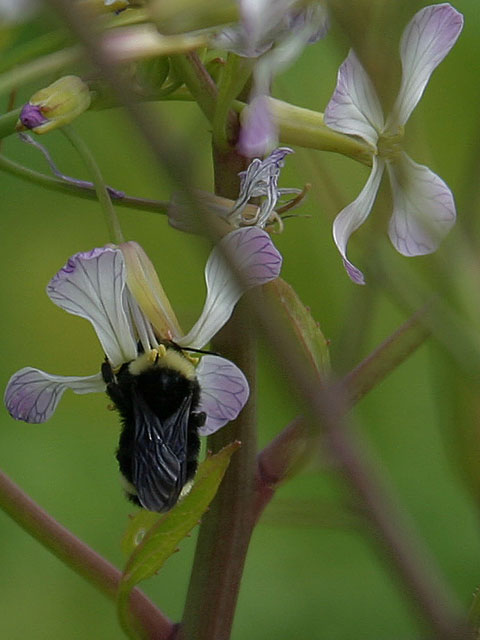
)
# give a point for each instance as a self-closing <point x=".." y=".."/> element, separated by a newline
<point x="165" y="357"/>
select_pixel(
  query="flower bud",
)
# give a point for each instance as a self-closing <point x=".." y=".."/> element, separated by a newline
<point x="55" y="105"/>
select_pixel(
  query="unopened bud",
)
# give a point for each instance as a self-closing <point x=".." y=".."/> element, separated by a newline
<point x="55" y="105"/>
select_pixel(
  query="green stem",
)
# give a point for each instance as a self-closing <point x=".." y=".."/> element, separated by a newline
<point x="233" y="79"/>
<point x="110" y="216"/>
<point x="79" y="557"/>
<point x="89" y="193"/>
<point x="33" y="49"/>
<point x="227" y="527"/>
<point x="38" y="68"/>
<point x="189" y="67"/>
<point x="8" y="122"/>
<point x="284" y="455"/>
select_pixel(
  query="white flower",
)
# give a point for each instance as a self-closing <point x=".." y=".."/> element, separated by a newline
<point x="423" y="205"/>
<point x="117" y="290"/>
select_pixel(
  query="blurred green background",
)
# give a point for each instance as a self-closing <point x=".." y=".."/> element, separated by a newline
<point x="312" y="571"/>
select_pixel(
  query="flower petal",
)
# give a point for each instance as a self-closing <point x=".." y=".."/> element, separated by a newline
<point x="423" y="208"/>
<point x="33" y="395"/>
<point x="427" y="39"/>
<point x="260" y="180"/>
<point x="223" y="392"/>
<point x="354" y="215"/>
<point x="146" y="289"/>
<point x="258" y="134"/>
<point x="257" y="260"/>
<point x="354" y="107"/>
<point x="91" y="285"/>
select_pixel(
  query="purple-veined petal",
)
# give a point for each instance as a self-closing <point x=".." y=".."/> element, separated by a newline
<point x="258" y="134"/>
<point x="423" y="208"/>
<point x="33" y="395"/>
<point x="223" y="392"/>
<point x="354" y="215"/>
<point x="257" y="260"/>
<point x="354" y="107"/>
<point x="91" y="285"/>
<point x="427" y="39"/>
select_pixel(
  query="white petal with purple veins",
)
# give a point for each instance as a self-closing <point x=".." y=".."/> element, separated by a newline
<point x="354" y="107"/>
<point x="427" y="39"/>
<point x="423" y="208"/>
<point x="33" y="395"/>
<point x="224" y="392"/>
<point x="354" y="215"/>
<point x="91" y="285"/>
<point x="254" y="255"/>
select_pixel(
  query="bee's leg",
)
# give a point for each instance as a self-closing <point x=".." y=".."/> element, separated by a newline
<point x="113" y="389"/>
<point x="107" y="372"/>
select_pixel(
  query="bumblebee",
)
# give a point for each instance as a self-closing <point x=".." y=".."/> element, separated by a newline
<point x="157" y="396"/>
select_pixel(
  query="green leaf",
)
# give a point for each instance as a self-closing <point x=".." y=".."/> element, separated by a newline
<point x="162" y="539"/>
<point x="300" y="322"/>
<point x="139" y="526"/>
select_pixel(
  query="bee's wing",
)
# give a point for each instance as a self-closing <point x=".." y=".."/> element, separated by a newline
<point x="159" y="455"/>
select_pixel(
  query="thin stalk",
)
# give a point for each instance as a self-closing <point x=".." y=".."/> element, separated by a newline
<point x="189" y="67"/>
<point x="227" y="526"/>
<point x="78" y="190"/>
<point x="8" y="121"/>
<point x="111" y="220"/>
<point x="32" y="49"/>
<point x="38" y="68"/>
<point x="233" y="79"/>
<point x="284" y="455"/>
<point x="79" y="557"/>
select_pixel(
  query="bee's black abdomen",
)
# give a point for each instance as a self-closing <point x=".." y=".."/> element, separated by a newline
<point x="159" y="443"/>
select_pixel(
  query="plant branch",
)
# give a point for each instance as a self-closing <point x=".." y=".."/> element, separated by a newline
<point x="38" y="68"/>
<point x="198" y="81"/>
<point x="77" y="189"/>
<point x="113" y="225"/>
<point x="227" y="527"/>
<point x="79" y="557"/>
<point x="289" y="449"/>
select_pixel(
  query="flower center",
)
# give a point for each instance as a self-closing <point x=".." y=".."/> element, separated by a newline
<point x="389" y="145"/>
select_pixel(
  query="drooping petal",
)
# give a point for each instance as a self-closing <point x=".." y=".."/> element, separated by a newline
<point x="423" y="208"/>
<point x="257" y="260"/>
<point x="354" y="107"/>
<point x="223" y="392"/>
<point x="91" y="285"/>
<point x="258" y="134"/>
<point x="33" y="395"/>
<point x="146" y="288"/>
<point x="354" y="215"/>
<point x="427" y="39"/>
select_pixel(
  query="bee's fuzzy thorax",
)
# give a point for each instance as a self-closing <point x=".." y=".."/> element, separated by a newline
<point x="168" y="358"/>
